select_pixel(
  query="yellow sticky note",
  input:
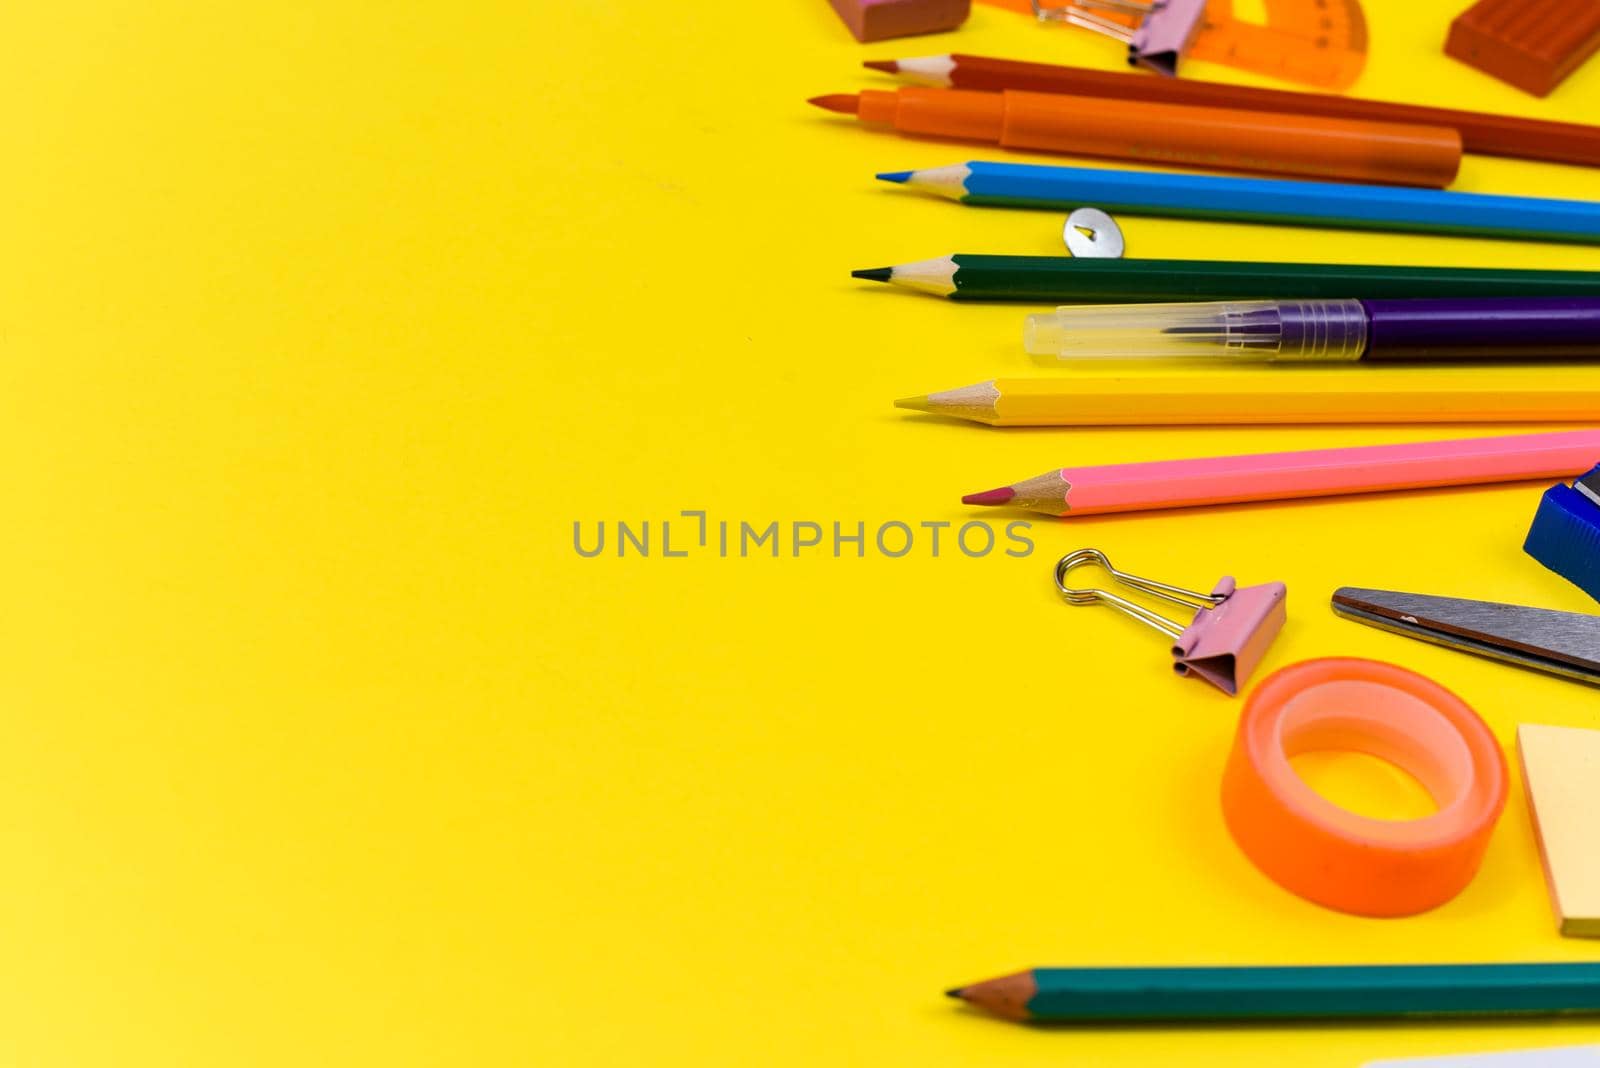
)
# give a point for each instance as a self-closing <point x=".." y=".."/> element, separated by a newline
<point x="1561" y="766"/>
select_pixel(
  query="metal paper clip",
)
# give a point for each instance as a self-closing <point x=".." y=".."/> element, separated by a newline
<point x="1231" y="630"/>
<point x="1162" y="32"/>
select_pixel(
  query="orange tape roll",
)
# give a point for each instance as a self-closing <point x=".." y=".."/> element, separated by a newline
<point x="1338" y="858"/>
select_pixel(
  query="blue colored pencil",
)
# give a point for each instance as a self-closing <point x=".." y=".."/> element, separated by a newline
<point x="1291" y="993"/>
<point x="1264" y="200"/>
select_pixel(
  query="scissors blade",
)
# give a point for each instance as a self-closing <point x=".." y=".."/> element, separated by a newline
<point x="1560" y="643"/>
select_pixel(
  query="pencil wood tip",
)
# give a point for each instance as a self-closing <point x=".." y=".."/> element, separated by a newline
<point x="915" y="404"/>
<point x="895" y="176"/>
<point x="843" y="103"/>
<point x="1002" y="495"/>
<point x="1007" y="996"/>
<point x="874" y="274"/>
<point x="888" y="66"/>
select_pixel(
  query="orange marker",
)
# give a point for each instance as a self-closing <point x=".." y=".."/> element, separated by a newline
<point x="1354" y="150"/>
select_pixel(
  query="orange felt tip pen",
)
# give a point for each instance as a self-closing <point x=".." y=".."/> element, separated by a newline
<point x="1354" y="150"/>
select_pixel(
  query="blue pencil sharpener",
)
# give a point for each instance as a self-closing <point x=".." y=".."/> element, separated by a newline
<point x="1565" y="536"/>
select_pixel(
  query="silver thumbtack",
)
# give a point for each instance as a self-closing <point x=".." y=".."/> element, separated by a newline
<point x="1091" y="233"/>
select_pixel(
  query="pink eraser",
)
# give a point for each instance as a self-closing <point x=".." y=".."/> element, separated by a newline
<point x="878" y="20"/>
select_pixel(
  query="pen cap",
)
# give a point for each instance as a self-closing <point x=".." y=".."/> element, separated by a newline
<point x="1312" y="330"/>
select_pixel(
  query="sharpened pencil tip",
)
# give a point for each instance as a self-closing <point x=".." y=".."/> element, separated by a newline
<point x="843" y="103"/>
<point x="888" y="66"/>
<point x="915" y="404"/>
<point x="954" y="992"/>
<point x="874" y="274"/>
<point x="1002" y="495"/>
<point x="895" y="176"/>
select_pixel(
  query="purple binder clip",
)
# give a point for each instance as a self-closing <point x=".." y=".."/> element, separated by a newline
<point x="1229" y="635"/>
<point x="1163" y="33"/>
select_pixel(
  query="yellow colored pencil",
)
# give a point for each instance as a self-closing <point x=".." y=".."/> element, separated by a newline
<point x="1387" y="395"/>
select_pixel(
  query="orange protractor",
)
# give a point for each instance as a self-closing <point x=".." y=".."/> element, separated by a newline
<point x="1322" y="43"/>
<point x="1313" y="42"/>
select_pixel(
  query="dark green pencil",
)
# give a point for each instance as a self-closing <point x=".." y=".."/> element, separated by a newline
<point x="1361" y="991"/>
<point x="1065" y="280"/>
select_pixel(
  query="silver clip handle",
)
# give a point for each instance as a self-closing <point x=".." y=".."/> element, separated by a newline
<point x="1172" y="594"/>
<point x="1083" y="13"/>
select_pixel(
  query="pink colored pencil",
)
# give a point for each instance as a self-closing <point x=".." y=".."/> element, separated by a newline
<point x="1278" y="476"/>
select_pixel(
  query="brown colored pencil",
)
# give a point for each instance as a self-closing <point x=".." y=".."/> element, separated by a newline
<point x="1487" y="134"/>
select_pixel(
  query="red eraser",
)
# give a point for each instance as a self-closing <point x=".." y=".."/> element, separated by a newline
<point x="1533" y="44"/>
<point x="878" y="20"/>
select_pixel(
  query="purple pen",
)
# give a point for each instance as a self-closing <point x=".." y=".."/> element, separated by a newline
<point x="1323" y="331"/>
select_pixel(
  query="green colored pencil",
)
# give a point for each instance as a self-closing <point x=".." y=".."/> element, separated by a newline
<point x="1362" y="991"/>
<point x="1066" y="280"/>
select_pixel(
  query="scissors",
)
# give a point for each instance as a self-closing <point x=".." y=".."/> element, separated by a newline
<point x="1540" y="639"/>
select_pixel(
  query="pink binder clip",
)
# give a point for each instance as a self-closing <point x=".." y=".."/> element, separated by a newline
<point x="1229" y="635"/>
<point x="1164" y="29"/>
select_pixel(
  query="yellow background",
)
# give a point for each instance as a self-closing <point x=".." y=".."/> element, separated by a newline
<point x="320" y="326"/>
